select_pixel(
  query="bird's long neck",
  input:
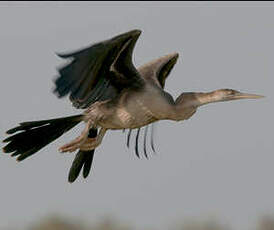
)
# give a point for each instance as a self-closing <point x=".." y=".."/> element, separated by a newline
<point x="195" y="99"/>
<point x="187" y="103"/>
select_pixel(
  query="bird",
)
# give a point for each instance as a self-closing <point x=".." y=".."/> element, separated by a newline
<point x="102" y="80"/>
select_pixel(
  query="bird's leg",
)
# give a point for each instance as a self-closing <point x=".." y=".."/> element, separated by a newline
<point x="92" y="143"/>
<point x="77" y="142"/>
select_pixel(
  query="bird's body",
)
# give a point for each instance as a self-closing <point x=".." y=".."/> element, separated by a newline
<point x="102" y="80"/>
<point x="132" y="109"/>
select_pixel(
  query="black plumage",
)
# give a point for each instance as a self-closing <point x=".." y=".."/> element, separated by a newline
<point x="83" y="159"/>
<point x="35" y="135"/>
<point x="99" y="71"/>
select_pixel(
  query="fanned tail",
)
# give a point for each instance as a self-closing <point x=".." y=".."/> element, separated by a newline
<point x="34" y="135"/>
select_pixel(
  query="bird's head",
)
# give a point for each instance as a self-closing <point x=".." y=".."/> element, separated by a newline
<point x="195" y="99"/>
<point x="187" y="103"/>
<point x="231" y="94"/>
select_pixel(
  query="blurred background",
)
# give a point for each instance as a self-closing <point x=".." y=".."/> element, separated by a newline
<point x="214" y="171"/>
<point x="61" y="223"/>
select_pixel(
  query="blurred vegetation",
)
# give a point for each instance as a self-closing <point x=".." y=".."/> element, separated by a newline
<point x="59" y="223"/>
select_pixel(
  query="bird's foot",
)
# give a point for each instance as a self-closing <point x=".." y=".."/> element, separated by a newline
<point x="77" y="142"/>
<point x="92" y="143"/>
<point x="73" y="145"/>
<point x="89" y="144"/>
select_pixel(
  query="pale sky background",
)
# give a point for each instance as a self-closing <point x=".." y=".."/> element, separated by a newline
<point x="219" y="164"/>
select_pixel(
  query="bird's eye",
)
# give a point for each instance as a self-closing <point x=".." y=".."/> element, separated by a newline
<point x="231" y="92"/>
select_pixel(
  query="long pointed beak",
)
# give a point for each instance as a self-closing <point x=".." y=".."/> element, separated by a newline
<point x="240" y="95"/>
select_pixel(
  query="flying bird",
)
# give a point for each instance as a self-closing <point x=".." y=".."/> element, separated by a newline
<point x="115" y="95"/>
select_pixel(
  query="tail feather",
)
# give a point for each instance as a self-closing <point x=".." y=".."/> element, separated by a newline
<point x="34" y="124"/>
<point x="35" y="135"/>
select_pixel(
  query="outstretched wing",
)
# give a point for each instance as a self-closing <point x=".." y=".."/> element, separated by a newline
<point x="100" y="71"/>
<point x="157" y="70"/>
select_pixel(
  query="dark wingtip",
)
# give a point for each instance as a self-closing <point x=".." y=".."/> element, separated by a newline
<point x="136" y="143"/>
<point x="131" y="33"/>
<point x="70" y="181"/>
<point x="145" y="142"/>
<point x="128" y="137"/>
<point x="72" y="177"/>
<point x="86" y="170"/>
<point x="20" y="158"/>
<point x="136" y="32"/>
<point x="76" y="167"/>
<point x="152" y="147"/>
<point x="88" y="163"/>
<point x="58" y="54"/>
<point x="146" y="155"/>
<point x="62" y="55"/>
<point x="57" y="93"/>
<point x="86" y="173"/>
<point x="6" y="149"/>
<point x="5" y="140"/>
<point x="11" y="131"/>
<point x="151" y="138"/>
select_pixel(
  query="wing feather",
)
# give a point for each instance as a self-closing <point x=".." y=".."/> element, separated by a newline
<point x="158" y="70"/>
<point x="89" y="76"/>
